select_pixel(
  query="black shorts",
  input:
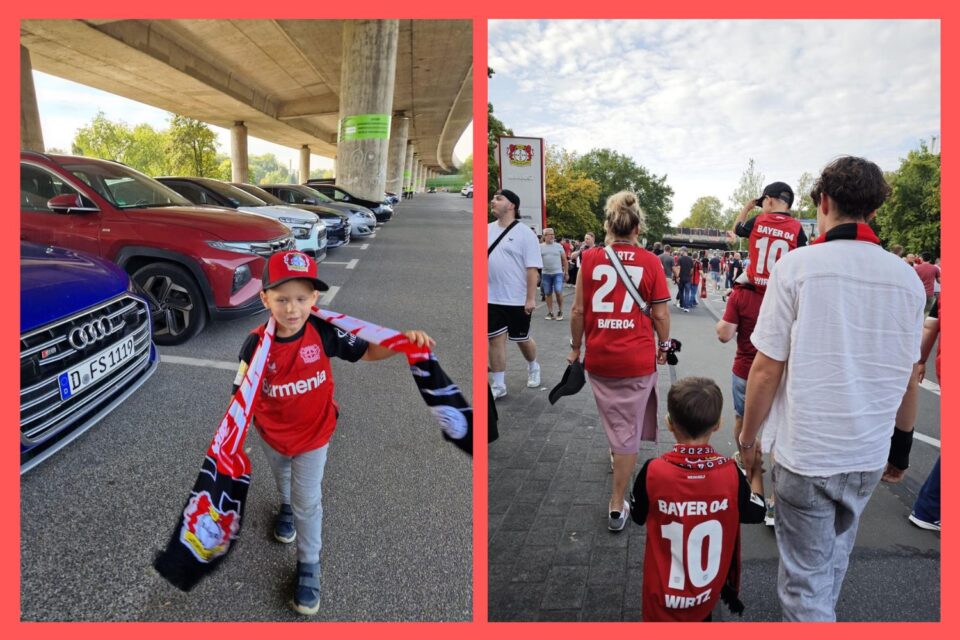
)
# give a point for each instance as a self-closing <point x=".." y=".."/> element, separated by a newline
<point x="514" y="321"/>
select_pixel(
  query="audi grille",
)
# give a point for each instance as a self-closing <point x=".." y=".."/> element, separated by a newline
<point x="49" y="352"/>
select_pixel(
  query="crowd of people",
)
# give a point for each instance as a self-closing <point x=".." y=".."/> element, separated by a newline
<point x="803" y="314"/>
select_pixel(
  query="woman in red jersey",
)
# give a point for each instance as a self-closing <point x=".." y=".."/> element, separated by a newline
<point x="621" y="351"/>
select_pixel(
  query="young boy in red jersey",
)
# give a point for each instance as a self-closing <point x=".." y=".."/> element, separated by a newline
<point x="692" y="501"/>
<point x="295" y="413"/>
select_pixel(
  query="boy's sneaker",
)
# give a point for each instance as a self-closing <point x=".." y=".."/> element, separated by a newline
<point x="306" y="595"/>
<point x="283" y="528"/>
<point x="924" y="524"/>
<point x="498" y="391"/>
<point x="559" y="315"/>
<point x="618" y="519"/>
<point x="549" y="316"/>
<point x="768" y="519"/>
<point x="533" y="378"/>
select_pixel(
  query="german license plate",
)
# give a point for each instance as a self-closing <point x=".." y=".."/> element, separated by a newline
<point x="95" y="368"/>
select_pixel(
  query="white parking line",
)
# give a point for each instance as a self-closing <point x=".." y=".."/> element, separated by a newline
<point x="353" y="263"/>
<point x="326" y="262"/>
<point x="929" y="385"/>
<point x="359" y="246"/>
<point x="327" y="296"/>
<point x="927" y="439"/>
<point x="198" y="362"/>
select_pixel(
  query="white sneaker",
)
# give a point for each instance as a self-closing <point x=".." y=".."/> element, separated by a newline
<point x="618" y="519"/>
<point x="498" y="390"/>
<point x="533" y="378"/>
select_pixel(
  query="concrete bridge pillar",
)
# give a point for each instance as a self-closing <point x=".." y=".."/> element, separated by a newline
<point x="240" y="163"/>
<point x="367" y="75"/>
<point x="31" y="135"/>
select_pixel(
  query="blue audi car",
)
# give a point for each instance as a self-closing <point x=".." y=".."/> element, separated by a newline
<point x="85" y="346"/>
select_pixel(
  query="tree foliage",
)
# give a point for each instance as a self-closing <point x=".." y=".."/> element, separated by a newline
<point x="466" y="169"/>
<point x="192" y="147"/>
<point x="495" y="129"/>
<point x="705" y="213"/>
<point x="750" y="186"/>
<point x="911" y="215"/>
<point x="187" y="147"/>
<point x="803" y="204"/>
<point x="614" y="171"/>
<point x="571" y="196"/>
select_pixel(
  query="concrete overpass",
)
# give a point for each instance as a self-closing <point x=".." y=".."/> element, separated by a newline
<point x="327" y="87"/>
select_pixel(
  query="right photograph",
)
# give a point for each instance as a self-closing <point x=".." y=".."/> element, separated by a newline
<point x="713" y="320"/>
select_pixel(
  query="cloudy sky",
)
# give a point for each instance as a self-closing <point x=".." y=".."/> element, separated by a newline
<point x="695" y="100"/>
<point x="67" y="106"/>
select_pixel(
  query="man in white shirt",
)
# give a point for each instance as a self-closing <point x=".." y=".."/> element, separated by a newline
<point x="511" y="289"/>
<point x="837" y="340"/>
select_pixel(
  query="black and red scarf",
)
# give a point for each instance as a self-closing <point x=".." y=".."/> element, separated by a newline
<point x="704" y="457"/>
<point x="849" y="231"/>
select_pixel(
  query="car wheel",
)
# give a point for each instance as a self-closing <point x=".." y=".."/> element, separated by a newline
<point x="175" y="302"/>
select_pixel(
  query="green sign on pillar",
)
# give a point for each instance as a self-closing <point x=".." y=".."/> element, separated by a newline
<point x="366" y="126"/>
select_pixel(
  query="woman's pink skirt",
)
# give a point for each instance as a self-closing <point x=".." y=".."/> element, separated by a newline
<point x="628" y="410"/>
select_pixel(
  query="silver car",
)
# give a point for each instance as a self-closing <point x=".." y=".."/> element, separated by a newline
<point x="362" y="221"/>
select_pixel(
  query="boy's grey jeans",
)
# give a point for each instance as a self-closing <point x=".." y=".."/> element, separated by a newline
<point x="816" y="524"/>
<point x="298" y="481"/>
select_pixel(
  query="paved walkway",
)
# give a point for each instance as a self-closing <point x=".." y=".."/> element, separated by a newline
<point x="551" y="557"/>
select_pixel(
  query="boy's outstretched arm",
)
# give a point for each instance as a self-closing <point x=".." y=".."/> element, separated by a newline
<point x="419" y="338"/>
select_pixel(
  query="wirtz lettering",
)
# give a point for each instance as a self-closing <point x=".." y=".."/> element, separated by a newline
<point x="615" y="323"/>
<point x="626" y="255"/>
<point x="773" y="232"/>
<point x="685" y="602"/>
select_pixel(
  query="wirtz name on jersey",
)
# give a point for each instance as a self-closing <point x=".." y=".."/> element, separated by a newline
<point x="685" y="602"/>
<point x="295" y="388"/>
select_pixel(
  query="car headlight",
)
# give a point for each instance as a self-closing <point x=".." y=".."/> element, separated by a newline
<point x="235" y="247"/>
<point x="290" y="220"/>
<point x="241" y="277"/>
<point x="301" y="232"/>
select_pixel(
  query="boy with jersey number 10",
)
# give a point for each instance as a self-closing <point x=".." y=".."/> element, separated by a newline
<point x="692" y="501"/>
<point x="295" y="413"/>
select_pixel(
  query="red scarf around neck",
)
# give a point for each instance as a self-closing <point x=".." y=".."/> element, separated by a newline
<point x="849" y="231"/>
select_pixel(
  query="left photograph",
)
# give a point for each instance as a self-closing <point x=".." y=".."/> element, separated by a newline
<point x="245" y="393"/>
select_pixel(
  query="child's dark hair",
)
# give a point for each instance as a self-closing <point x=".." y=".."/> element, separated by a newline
<point x="694" y="405"/>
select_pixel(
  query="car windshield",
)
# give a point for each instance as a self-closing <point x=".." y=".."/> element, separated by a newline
<point x="319" y="197"/>
<point x="237" y="197"/>
<point x="256" y="191"/>
<point x="125" y="188"/>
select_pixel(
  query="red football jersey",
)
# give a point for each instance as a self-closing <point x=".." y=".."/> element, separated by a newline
<point x="693" y="530"/>
<point x="620" y="340"/>
<point x="295" y="411"/>
<point x="772" y="236"/>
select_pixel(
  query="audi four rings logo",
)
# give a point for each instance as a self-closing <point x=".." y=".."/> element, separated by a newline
<point x="91" y="332"/>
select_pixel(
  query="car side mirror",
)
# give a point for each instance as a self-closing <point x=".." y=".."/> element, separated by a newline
<point x="67" y="203"/>
<point x="344" y="197"/>
<point x="309" y="201"/>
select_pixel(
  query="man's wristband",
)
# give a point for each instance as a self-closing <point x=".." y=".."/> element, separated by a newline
<point x="666" y="345"/>
<point x="574" y="347"/>
<point x="747" y="446"/>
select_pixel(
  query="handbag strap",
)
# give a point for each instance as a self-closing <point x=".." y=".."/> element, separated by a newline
<point x="501" y="236"/>
<point x="625" y="279"/>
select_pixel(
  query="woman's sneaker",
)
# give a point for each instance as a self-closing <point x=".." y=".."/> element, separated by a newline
<point x="306" y="595"/>
<point x="930" y="525"/>
<point x="549" y="316"/>
<point x="618" y="519"/>
<point x="283" y="527"/>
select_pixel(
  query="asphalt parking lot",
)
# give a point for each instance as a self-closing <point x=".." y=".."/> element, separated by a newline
<point x="397" y="498"/>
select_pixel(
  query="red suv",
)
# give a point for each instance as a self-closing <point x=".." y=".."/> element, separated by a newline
<point x="192" y="263"/>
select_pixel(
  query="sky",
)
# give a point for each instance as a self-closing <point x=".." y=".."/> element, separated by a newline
<point x="694" y="100"/>
<point x="66" y="106"/>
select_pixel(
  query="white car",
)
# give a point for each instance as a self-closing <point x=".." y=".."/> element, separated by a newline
<point x="310" y="235"/>
<point x="467" y="190"/>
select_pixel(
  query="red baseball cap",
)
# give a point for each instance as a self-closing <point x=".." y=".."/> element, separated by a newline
<point x="284" y="266"/>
